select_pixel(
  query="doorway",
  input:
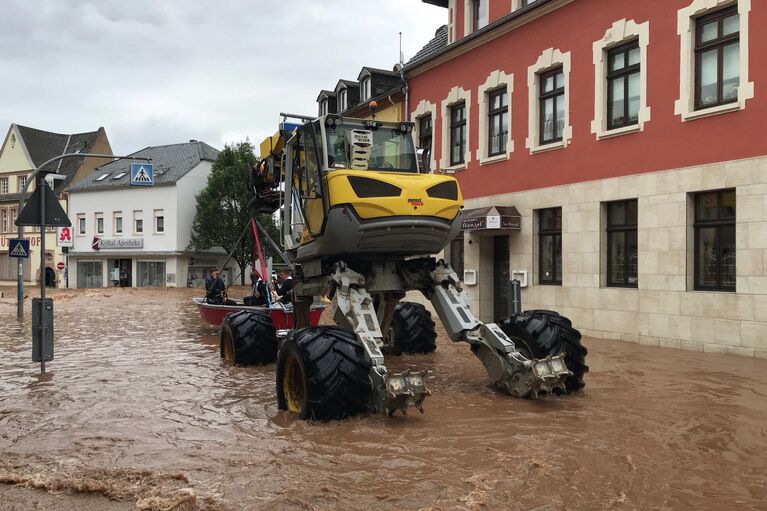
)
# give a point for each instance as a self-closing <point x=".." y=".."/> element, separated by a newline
<point x="121" y="272"/>
<point x="501" y="274"/>
<point x="50" y="277"/>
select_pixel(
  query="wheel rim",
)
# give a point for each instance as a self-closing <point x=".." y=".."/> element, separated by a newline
<point x="522" y="347"/>
<point x="293" y="385"/>
<point x="228" y="349"/>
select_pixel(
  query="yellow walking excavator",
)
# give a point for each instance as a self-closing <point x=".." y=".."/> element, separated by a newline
<point x="360" y="222"/>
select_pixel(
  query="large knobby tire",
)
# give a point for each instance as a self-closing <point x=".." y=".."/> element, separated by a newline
<point x="540" y="333"/>
<point x="412" y="330"/>
<point x="248" y="338"/>
<point x="322" y="374"/>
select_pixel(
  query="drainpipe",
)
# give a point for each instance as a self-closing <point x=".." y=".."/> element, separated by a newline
<point x="406" y="90"/>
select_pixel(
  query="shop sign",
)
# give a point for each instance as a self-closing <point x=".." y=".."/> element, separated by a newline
<point x="491" y="222"/>
<point x="33" y="241"/>
<point x="120" y="243"/>
<point x="64" y="237"/>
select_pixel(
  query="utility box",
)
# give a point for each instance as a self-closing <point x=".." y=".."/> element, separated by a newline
<point x="42" y="330"/>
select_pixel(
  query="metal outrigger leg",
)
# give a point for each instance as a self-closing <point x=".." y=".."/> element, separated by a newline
<point x="353" y="308"/>
<point x="509" y="369"/>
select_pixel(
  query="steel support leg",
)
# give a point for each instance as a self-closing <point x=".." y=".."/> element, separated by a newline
<point x="353" y="309"/>
<point x="508" y="368"/>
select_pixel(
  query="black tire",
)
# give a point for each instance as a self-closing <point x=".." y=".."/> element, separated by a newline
<point x="412" y="330"/>
<point x="322" y="374"/>
<point x="248" y="338"/>
<point x="540" y="333"/>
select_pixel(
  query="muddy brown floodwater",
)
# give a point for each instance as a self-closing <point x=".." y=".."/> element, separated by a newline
<point x="138" y="411"/>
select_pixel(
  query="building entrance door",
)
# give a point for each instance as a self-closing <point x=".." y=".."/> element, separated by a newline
<point x="50" y="277"/>
<point x="120" y="272"/>
<point x="501" y="273"/>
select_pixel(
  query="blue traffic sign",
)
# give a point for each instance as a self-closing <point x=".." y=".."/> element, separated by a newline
<point x="141" y="174"/>
<point x="18" y="248"/>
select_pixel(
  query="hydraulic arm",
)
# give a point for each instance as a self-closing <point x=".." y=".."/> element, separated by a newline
<point x="353" y="307"/>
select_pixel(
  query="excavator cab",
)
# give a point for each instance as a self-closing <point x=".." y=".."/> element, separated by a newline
<point x="353" y="189"/>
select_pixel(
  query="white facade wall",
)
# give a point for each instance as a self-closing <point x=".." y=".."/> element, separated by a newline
<point x="178" y="204"/>
<point x="664" y="310"/>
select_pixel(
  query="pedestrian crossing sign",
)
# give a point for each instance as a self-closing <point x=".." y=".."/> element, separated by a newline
<point x="18" y="248"/>
<point x="141" y="174"/>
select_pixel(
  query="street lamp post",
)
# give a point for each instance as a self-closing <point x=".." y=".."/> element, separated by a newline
<point x="30" y="179"/>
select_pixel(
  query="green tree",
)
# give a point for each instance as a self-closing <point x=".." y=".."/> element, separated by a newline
<point x="222" y="206"/>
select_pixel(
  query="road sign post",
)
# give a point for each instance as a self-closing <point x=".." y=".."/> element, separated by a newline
<point x="58" y="218"/>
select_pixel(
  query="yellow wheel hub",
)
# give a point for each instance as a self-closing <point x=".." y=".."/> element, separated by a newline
<point x="293" y="385"/>
<point x="228" y="349"/>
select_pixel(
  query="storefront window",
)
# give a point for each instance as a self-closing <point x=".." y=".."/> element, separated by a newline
<point x="151" y="273"/>
<point x="90" y="274"/>
<point x="715" y="241"/>
<point x="622" y="252"/>
<point x="550" y="246"/>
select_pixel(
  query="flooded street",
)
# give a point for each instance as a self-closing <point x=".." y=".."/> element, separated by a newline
<point x="138" y="407"/>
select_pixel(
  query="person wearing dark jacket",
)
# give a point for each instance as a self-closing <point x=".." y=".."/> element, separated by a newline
<point x="259" y="293"/>
<point x="285" y="289"/>
<point x="215" y="289"/>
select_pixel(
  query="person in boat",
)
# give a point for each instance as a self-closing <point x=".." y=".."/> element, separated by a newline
<point x="259" y="292"/>
<point x="284" y="287"/>
<point x="215" y="290"/>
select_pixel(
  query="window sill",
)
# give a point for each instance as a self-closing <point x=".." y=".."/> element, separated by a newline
<point x="616" y="132"/>
<point x="454" y="168"/>
<point x="714" y="110"/>
<point x="717" y="291"/>
<point x="493" y="159"/>
<point x="547" y="147"/>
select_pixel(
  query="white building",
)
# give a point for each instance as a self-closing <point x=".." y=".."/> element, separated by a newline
<point x="137" y="236"/>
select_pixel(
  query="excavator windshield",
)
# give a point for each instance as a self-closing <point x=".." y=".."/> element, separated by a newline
<point x="392" y="148"/>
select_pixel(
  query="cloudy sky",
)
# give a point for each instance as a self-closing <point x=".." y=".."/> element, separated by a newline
<point x="163" y="71"/>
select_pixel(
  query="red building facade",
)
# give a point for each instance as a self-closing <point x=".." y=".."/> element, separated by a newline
<point x="628" y="135"/>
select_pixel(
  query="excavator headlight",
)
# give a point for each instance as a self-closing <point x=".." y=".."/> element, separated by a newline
<point x="365" y="188"/>
<point x="447" y="190"/>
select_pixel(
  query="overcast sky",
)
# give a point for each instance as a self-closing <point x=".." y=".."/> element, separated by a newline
<point x="155" y="72"/>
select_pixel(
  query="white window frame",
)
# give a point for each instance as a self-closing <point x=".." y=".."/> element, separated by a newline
<point x="324" y="107"/>
<point x="5" y="214"/>
<point x="456" y="95"/>
<point x="4" y="185"/>
<point x="686" y="17"/>
<point x="451" y="21"/>
<point x="96" y="217"/>
<point x="426" y="108"/>
<point x="115" y="216"/>
<point x="517" y="4"/>
<point x="342" y="98"/>
<point x="622" y="32"/>
<point x="157" y="214"/>
<point x="549" y="59"/>
<point x="78" y="232"/>
<point x="468" y="16"/>
<point x="138" y="214"/>
<point x="366" y="88"/>
<point x="495" y="80"/>
<point x="21" y="182"/>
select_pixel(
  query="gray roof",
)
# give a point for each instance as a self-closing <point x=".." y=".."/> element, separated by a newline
<point x="376" y="71"/>
<point x="44" y="145"/>
<point x="171" y="163"/>
<point x="432" y="47"/>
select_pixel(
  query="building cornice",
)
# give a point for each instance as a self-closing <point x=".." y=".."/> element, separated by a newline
<point x="494" y="30"/>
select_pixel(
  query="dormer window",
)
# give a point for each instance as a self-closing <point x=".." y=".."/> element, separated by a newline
<point x="342" y="100"/>
<point x="324" y="107"/>
<point x="479" y="13"/>
<point x="365" y="89"/>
